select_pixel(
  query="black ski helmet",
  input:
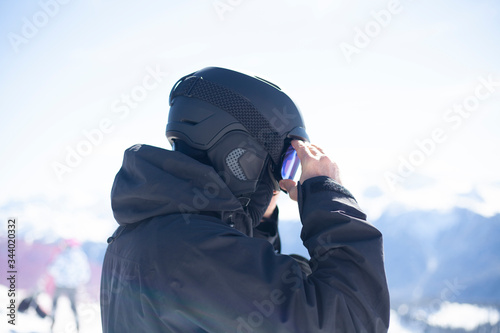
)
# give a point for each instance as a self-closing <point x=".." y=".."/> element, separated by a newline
<point x="242" y="124"/>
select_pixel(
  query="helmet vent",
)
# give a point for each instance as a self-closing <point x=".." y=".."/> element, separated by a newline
<point x="233" y="163"/>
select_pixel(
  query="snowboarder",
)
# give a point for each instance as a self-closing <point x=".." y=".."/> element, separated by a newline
<point x="184" y="258"/>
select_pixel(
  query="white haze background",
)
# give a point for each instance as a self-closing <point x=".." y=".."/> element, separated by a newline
<point x="67" y="75"/>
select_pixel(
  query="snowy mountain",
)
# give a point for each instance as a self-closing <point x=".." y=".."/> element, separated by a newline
<point x="452" y="256"/>
<point x="429" y="252"/>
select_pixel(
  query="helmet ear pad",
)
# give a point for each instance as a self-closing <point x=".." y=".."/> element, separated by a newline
<point x="241" y="161"/>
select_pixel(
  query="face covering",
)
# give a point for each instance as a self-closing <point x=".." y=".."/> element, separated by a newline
<point x="260" y="199"/>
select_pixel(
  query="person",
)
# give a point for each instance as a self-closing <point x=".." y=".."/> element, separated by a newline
<point x="184" y="257"/>
<point x="70" y="270"/>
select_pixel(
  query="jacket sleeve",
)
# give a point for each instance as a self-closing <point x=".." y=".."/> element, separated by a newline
<point x="247" y="287"/>
<point x="347" y="264"/>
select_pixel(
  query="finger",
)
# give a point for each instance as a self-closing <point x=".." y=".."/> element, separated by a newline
<point x="315" y="151"/>
<point x="301" y="149"/>
<point x="289" y="186"/>
<point x="297" y="144"/>
<point x="319" y="149"/>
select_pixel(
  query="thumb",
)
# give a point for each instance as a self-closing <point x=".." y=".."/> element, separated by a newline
<point x="289" y="186"/>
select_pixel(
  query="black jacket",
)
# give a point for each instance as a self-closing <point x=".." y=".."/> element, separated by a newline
<point x="174" y="266"/>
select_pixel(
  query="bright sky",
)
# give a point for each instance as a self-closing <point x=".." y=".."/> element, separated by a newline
<point x="404" y="95"/>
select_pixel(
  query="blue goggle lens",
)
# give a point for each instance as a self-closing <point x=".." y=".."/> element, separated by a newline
<point x="290" y="164"/>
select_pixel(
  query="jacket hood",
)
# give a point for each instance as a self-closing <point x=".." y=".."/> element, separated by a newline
<point x="154" y="182"/>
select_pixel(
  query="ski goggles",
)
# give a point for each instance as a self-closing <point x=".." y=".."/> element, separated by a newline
<point x="290" y="163"/>
<point x="289" y="160"/>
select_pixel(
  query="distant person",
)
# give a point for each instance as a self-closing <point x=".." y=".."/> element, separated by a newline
<point x="69" y="270"/>
<point x="184" y="257"/>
